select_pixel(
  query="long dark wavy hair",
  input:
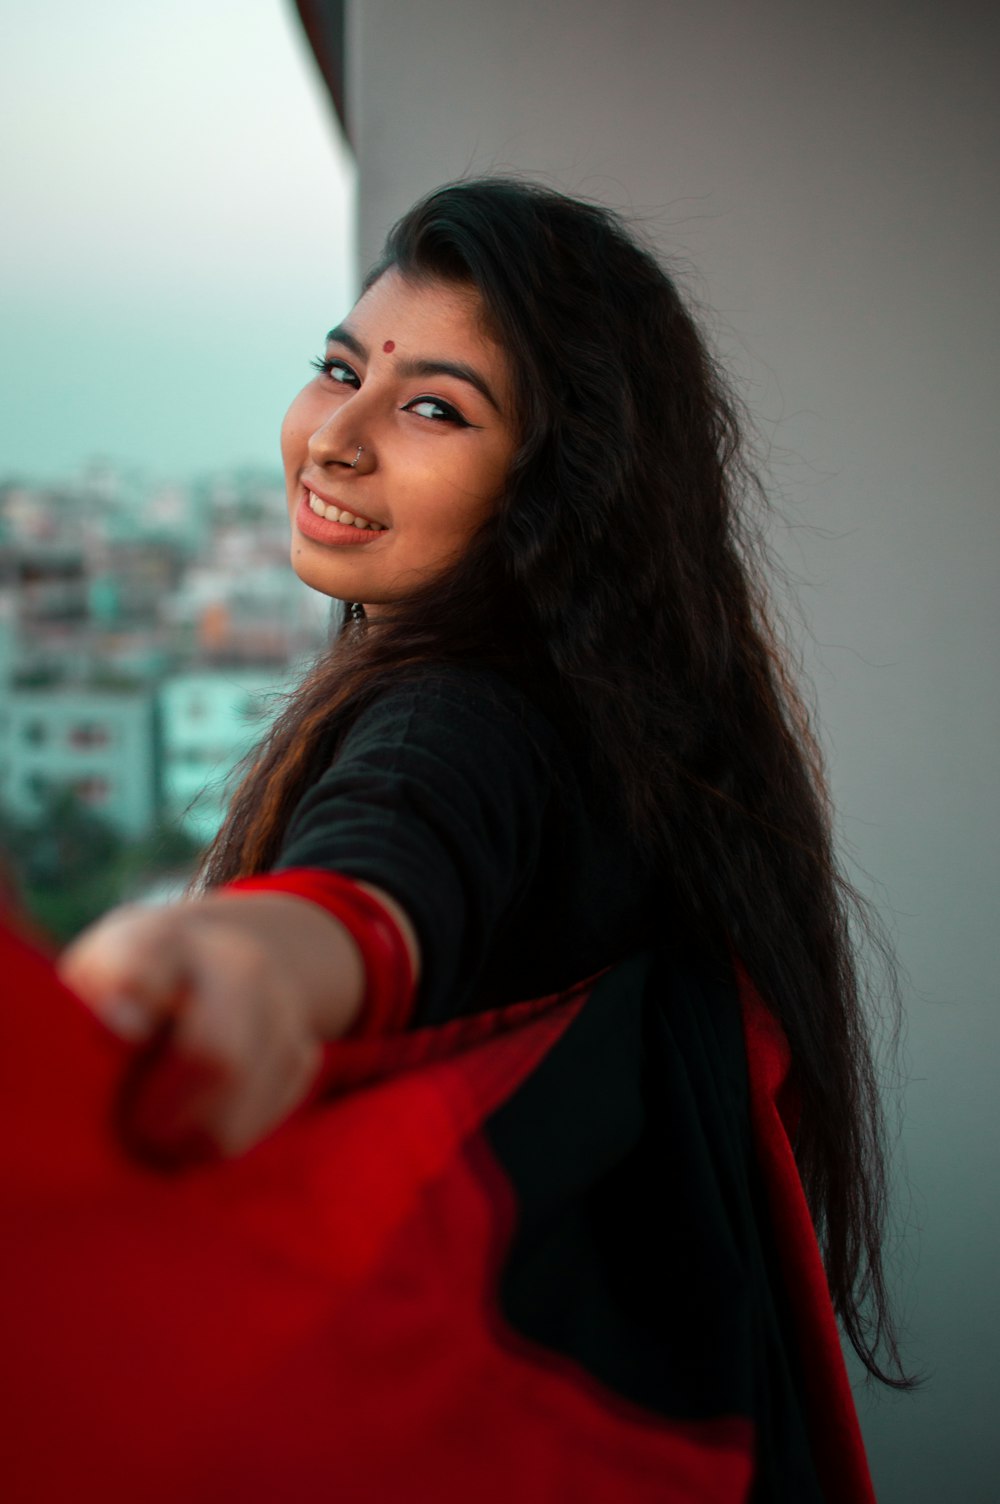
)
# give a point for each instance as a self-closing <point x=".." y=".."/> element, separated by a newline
<point x="621" y="579"/>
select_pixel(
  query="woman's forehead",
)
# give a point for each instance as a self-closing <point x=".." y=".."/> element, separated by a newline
<point x="420" y="307"/>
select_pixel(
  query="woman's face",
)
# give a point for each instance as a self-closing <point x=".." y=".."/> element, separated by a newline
<point x="414" y="380"/>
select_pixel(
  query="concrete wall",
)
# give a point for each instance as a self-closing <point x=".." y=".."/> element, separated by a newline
<point x="831" y="173"/>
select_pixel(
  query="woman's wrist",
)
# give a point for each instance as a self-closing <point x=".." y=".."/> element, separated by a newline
<point x="313" y="952"/>
<point x="383" y="939"/>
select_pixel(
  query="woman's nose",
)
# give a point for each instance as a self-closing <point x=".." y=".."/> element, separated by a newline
<point x="335" y="443"/>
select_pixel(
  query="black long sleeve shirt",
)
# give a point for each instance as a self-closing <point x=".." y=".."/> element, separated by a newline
<point x="456" y="795"/>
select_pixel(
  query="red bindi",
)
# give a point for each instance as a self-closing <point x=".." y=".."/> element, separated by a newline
<point x="389" y="346"/>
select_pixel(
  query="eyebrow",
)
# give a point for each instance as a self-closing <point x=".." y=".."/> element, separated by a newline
<point x="414" y="367"/>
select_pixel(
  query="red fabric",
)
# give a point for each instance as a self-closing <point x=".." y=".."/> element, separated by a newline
<point x="835" y="1434"/>
<point x="314" y="1318"/>
<point x="388" y="999"/>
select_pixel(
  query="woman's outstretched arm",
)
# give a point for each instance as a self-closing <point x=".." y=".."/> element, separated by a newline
<point x="233" y="995"/>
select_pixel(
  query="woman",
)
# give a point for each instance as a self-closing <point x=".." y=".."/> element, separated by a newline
<point x="555" y="734"/>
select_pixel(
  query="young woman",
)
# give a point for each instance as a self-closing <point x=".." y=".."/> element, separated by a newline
<point x="555" y="740"/>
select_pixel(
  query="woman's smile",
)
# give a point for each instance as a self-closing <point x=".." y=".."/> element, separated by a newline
<point x="331" y="524"/>
<point x="398" y="450"/>
<point x="329" y="507"/>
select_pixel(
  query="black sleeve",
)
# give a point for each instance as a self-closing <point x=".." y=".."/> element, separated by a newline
<point x="437" y="794"/>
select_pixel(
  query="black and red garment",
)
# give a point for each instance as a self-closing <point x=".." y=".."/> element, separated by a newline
<point x="553" y="1250"/>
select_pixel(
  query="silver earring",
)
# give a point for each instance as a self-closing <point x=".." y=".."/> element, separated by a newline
<point x="357" y="612"/>
<point x="353" y="464"/>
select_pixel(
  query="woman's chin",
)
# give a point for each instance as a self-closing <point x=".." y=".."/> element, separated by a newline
<point x="318" y="574"/>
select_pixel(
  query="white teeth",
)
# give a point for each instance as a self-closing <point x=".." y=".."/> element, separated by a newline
<point x="340" y="514"/>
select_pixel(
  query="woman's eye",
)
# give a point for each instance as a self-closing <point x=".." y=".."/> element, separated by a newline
<point x="439" y="412"/>
<point x="338" y="371"/>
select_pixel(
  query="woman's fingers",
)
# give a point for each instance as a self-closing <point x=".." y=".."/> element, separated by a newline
<point x="230" y="1050"/>
<point x="241" y="1056"/>
<point x="257" y="1040"/>
<point x="130" y="968"/>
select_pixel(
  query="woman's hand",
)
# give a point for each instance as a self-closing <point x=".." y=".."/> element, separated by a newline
<point x="232" y="996"/>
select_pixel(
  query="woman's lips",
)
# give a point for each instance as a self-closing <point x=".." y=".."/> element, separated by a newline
<point x="322" y="530"/>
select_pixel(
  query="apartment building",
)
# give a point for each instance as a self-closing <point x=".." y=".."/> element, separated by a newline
<point x="100" y="743"/>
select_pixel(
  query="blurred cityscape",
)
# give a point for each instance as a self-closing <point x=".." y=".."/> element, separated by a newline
<point x="147" y="632"/>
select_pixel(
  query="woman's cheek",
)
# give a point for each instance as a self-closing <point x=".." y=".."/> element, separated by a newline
<point x="296" y="428"/>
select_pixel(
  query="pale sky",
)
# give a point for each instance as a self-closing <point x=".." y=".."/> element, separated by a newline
<point x="178" y="233"/>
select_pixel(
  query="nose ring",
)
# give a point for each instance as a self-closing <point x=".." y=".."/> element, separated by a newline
<point x="353" y="464"/>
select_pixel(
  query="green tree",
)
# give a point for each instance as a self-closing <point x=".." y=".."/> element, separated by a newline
<point x="69" y="866"/>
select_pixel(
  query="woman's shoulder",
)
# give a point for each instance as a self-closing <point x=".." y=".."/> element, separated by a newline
<point x="452" y="700"/>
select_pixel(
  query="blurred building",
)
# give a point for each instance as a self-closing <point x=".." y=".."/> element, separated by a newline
<point x="99" y="744"/>
<point x="210" y="719"/>
<point x="44" y="589"/>
<point x="141" y="628"/>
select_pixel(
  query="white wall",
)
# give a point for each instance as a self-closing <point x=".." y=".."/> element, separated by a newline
<point x="831" y="173"/>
